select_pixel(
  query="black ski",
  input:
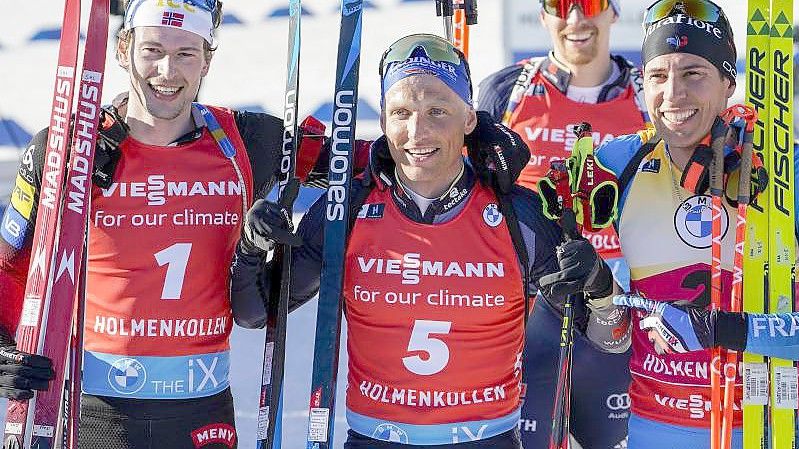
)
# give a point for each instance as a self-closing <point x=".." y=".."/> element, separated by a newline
<point x="328" y="316"/>
<point x="277" y="311"/>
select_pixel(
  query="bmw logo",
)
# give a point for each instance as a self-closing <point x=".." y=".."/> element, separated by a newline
<point x="693" y="221"/>
<point x="127" y="376"/>
<point x="491" y="215"/>
<point x="390" y="432"/>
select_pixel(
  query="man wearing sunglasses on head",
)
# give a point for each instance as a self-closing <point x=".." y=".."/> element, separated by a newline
<point x="158" y="314"/>
<point x="438" y="256"/>
<point x="173" y="182"/>
<point x="541" y="99"/>
<point x="664" y="215"/>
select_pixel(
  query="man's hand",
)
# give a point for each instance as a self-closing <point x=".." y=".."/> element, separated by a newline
<point x="20" y="372"/>
<point x="496" y="152"/>
<point x="581" y="270"/>
<point x="673" y="327"/>
<point x="269" y="223"/>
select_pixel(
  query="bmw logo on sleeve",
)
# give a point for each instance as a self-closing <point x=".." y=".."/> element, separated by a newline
<point x="127" y="376"/>
<point x="693" y="221"/>
<point x="390" y="432"/>
<point x="491" y="215"/>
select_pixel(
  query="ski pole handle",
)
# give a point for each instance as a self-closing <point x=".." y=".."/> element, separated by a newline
<point x="289" y="194"/>
<point x="445" y="9"/>
<point x="470" y="9"/>
<point x="718" y="136"/>
<point x="745" y="176"/>
<point x="569" y="224"/>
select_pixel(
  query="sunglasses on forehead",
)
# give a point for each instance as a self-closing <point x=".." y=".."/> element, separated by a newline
<point x="562" y="8"/>
<point x="703" y="10"/>
<point x="436" y="48"/>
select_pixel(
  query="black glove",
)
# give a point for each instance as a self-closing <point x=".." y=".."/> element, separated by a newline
<point x="758" y="181"/>
<point x="497" y="153"/>
<point x="20" y="372"/>
<point x="269" y="223"/>
<point x="113" y="130"/>
<point x="581" y="270"/>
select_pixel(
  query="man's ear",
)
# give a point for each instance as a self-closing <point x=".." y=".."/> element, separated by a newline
<point x="730" y="87"/>
<point x="383" y="119"/>
<point x="122" y="53"/>
<point x="471" y="121"/>
<point x="207" y="65"/>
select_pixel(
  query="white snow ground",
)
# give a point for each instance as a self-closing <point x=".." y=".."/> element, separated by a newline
<point x="248" y="71"/>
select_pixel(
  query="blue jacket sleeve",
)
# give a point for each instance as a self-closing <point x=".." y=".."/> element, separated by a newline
<point x="541" y="238"/>
<point x="306" y="264"/>
<point x="541" y="235"/>
<point x="774" y="335"/>
<point x="615" y="155"/>
<point x="494" y="91"/>
<point x="250" y="278"/>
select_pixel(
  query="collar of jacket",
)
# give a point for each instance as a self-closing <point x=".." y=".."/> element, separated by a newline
<point x="559" y="76"/>
<point x="444" y="208"/>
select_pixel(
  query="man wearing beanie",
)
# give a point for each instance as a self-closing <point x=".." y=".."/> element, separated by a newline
<point x="541" y="99"/>
<point x="440" y="261"/>
<point x="664" y="214"/>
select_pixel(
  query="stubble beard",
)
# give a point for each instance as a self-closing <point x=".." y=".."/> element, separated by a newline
<point x="580" y="57"/>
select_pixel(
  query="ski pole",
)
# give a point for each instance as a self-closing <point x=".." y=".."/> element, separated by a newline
<point x="718" y="135"/>
<point x="465" y="15"/>
<point x="748" y="115"/>
<point x="444" y="9"/>
<point x="561" y="412"/>
<point x="71" y="419"/>
<point x="269" y="416"/>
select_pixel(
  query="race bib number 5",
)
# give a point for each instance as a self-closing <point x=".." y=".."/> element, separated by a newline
<point x="422" y="340"/>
